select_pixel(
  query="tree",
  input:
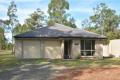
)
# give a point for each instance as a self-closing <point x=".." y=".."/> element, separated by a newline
<point x="35" y="20"/>
<point x="17" y="29"/>
<point x="12" y="9"/>
<point x="71" y="22"/>
<point x="2" y="39"/>
<point x="2" y="36"/>
<point x="57" y="13"/>
<point x="104" y="21"/>
<point x="11" y="13"/>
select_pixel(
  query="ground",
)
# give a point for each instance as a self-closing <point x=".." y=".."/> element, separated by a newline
<point x="40" y="69"/>
<point x="90" y="74"/>
<point x="44" y="71"/>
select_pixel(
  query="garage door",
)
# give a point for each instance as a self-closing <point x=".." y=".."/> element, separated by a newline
<point x="52" y="49"/>
<point x="31" y="49"/>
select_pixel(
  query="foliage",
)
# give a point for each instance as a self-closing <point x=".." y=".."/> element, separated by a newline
<point x="104" y="21"/>
<point x="2" y="39"/>
<point x="35" y="20"/>
<point x="12" y="22"/>
<point x="8" y="46"/>
<point x="11" y="13"/>
<point x="8" y="60"/>
<point x="57" y="13"/>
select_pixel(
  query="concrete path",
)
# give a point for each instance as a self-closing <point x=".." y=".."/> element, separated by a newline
<point x="45" y="71"/>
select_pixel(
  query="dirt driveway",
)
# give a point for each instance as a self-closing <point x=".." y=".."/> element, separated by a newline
<point x="45" y="71"/>
<point x="90" y="74"/>
<point x="48" y="71"/>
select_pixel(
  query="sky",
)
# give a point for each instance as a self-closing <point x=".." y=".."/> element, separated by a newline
<point x="79" y="9"/>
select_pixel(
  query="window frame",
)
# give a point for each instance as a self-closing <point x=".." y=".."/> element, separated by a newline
<point x="83" y="49"/>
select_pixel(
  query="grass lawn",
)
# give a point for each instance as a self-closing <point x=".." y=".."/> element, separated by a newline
<point x="88" y="63"/>
<point x="8" y="60"/>
<point x="78" y="69"/>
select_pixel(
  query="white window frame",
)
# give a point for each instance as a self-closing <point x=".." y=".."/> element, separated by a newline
<point x="84" y="50"/>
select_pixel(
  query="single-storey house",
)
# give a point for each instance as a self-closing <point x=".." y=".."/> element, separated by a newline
<point x="58" y="42"/>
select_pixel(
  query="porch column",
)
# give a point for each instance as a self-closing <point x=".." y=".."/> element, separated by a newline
<point x="99" y="49"/>
<point x="62" y="49"/>
<point x="75" y="50"/>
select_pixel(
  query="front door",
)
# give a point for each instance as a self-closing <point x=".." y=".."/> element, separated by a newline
<point x="67" y="49"/>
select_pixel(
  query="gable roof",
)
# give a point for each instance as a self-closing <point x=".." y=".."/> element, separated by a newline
<point x="59" y="31"/>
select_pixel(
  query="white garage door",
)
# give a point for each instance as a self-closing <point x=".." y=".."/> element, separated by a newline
<point x="52" y="49"/>
<point x="31" y="49"/>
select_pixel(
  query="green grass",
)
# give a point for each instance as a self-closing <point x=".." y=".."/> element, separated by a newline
<point x="8" y="60"/>
<point x="88" y="63"/>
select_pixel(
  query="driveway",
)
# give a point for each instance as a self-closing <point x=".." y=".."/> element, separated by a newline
<point x="45" y="71"/>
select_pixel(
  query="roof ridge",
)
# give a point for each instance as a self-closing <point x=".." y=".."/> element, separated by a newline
<point x="57" y="24"/>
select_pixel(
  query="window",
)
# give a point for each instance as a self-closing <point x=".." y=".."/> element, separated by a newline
<point x="87" y="47"/>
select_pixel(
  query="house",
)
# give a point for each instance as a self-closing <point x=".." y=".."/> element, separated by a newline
<point x="58" y="42"/>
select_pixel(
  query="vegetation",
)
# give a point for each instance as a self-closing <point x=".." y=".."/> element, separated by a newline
<point x="2" y="36"/>
<point x="36" y="19"/>
<point x="110" y="62"/>
<point x="12" y="16"/>
<point x="104" y="21"/>
<point x="2" y="39"/>
<point x="8" y="60"/>
<point x="57" y="13"/>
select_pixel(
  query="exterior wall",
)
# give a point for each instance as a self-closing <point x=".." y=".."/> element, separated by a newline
<point x="98" y="49"/>
<point x="106" y="51"/>
<point x="114" y="47"/>
<point x="31" y="49"/>
<point x="75" y="51"/>
<point x="52" y="49"/>
<point x="18" y="48"/>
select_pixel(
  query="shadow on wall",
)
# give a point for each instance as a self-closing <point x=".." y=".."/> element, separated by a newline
<point x="28" y="72"/>
<point x="53" y="53"/>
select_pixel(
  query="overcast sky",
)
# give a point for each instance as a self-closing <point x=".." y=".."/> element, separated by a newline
<point x="79" y="9"/>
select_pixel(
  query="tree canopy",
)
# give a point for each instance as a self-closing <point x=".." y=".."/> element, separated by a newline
<point x="36" y="19"/>
<point x="57" y="13"/>
<point x="2" y="36"/>
<point x="11" y="13"/>
<point x="104" y="21"/>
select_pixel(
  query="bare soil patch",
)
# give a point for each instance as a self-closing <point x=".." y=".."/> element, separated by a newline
<point x="89" y="74"/>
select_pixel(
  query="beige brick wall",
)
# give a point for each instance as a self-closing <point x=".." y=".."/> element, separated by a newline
<point x="31" y="49"/>
<point x="75" y="51"/>
<point x="114" y="47"/>
<point x="99" y="49"/>
<point x="18" y="48"/>
<point x="52" y="49"/>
